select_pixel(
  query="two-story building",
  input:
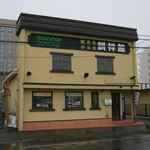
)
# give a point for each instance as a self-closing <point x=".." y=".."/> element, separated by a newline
<point x="71" y="74"/>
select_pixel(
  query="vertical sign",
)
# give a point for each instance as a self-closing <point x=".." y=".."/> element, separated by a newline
<point x="123" y="108"/>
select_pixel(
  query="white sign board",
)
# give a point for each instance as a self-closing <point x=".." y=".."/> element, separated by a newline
<point x="108" y="102"/>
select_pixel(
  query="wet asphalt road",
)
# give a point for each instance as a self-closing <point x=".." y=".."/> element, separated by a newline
<point x="129" y="142"/>
<point x="132" y="142"/>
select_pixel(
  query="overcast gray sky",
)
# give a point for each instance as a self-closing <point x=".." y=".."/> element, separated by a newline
<point x="127" y="13"/>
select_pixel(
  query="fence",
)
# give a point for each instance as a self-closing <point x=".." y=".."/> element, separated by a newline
<point x="3" y="147"/>
<point x="141" y="109"/>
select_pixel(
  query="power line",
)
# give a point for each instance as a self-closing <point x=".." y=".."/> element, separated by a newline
<point x="75" y="56"/>
<point x="15" y="42"/>
<point x="22" y="42"/>
<point x="145" y="39"/>
<point x="145" y="35"/>
<point x="141" y="42"/>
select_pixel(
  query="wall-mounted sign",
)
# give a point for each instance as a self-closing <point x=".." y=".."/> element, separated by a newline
<point x="42" y="100"/>
<point x="61" y="42"/>
<point x="123" y="107"/>
<point x="108" y="102"/>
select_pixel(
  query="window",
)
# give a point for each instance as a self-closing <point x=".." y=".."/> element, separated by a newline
<point x="42" y="101"/>
<point x="10" y="30"/>
<point x="61" y="62"/>
<point x="94" y="101"/>
<point x="9" y="66"/>
<point x="74" y="101"/>
<point x="2" y="29"/>
<point x="1" y="55"/>
<point x="10" y="47"/>
<point x="105" y="65"/>
<point x="148" y="86"/>
<point x="1" y="66"/>
<point x="10" y="36"/>
<point x="1" y="37"/>
<point x="9" y="56"/>
<point x="1" y="52"/>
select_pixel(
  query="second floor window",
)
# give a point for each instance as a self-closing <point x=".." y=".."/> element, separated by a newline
<point x="61" y="62"/>
<point x="105" y="65"/>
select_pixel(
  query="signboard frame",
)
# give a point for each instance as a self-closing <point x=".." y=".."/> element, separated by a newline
<point x="62" y="42"/>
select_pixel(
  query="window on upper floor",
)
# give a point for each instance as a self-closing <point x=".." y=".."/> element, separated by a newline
<point x="9" y="67"/>
<point x="2" y="47"/>
<point x="10" y="30"/>
<point x="2" y="29"/>
<point x="61" y="62"/>
<point x="9" y="47"/>
<point x="10" y="36"/>
<point x="1" y="55"/>
<point x="1" y="37"/>
<point x="105" y="65"/>
<point x="1" y="66"/>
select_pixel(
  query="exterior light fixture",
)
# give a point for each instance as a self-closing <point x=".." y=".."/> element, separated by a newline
<point x="86" y="75"/>
<point x="133" y="77"/>
<point x="29" y="73"/>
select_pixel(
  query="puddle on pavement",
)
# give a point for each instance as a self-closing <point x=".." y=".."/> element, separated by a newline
<point x="12" y="146"/>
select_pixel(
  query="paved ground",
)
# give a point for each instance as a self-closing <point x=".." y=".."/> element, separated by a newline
<point x="11" y="135"/>
<point x="130" y="142"/>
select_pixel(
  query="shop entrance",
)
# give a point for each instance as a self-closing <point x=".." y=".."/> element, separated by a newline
<point x="115" y="106"/>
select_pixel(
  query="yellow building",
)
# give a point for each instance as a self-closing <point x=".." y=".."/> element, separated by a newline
<point x="71" y="74"/>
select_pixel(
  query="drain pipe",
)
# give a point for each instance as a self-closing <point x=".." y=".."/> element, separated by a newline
<point x="134" y="106"/>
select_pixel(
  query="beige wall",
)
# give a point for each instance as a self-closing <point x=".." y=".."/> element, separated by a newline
<point x="144" y="97"/>
<point x="143" y="107"/>
<point x="59" y="104"/>
<point x="128" y="96"/>
<point x="39" y="62"/>
<point x="13" y="97"/>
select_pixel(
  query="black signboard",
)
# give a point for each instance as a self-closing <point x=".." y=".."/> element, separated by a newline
<point x="61" y="42"/>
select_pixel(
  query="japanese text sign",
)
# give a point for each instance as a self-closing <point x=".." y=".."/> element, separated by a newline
<point x="61" y="42"/>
